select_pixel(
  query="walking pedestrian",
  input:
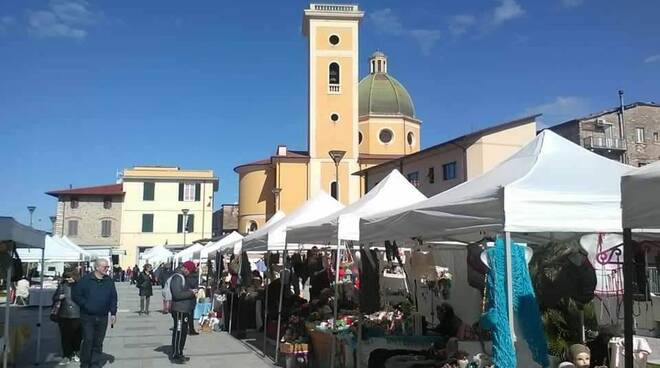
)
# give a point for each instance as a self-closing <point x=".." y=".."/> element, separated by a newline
<point x="134" y="274"/>
<point x="182" y="306"/>
<point x="145" y="287"/>
<point x="96" y="296"/>
<point x="68" y="318"/>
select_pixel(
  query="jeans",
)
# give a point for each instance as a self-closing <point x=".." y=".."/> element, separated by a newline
<point x="70" y="336"/>
<point x="144" y="304"/>
<point x="179" y="332"/>
<point x="93" y="329"/>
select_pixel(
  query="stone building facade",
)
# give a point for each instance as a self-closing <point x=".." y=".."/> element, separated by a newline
<point x="90" y="216"/>
<point x="601" y="133"/>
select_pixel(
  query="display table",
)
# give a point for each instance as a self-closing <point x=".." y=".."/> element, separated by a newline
<point x="43" y="297"/>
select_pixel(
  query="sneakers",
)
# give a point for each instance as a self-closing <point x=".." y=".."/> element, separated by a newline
<point x="75" y="358"/>
<point x="64" y="361"/>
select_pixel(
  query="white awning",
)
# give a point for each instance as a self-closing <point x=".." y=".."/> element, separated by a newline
<point x="221" y="245"/>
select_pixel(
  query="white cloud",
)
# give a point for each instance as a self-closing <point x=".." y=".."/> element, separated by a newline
<point x="425" y="38"/>
<point x="6" y="22"/>
<point x="507" y="10"/>
<point x="652" y="59"/>
<point x="561" y="109"/>
<point x="386" y="22"/>
<point x="63" y="18"/>
<point x="459" y="24"/>
<point x="571" y="3"/>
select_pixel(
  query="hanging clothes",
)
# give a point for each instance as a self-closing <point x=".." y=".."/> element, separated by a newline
<point x="525" y="307"/>
<point x="369" y="281"/>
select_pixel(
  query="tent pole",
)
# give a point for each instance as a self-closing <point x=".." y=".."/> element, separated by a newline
<point x="279" y="307"/>
<point x="40" y="317"/>
<point x="335" y="312"/>
<point x="628" y="272"/>
<point x="509" y="287"/>
<point x="267" y="279"/>
<point x="5" y="353"/>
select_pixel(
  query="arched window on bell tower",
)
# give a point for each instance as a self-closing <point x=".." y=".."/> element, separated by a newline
<point x="333" y="73"/>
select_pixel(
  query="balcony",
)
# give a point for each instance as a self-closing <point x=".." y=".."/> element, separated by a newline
<point x="334" y="89"/>
<point x="602" y="143"/>
<point x="334" y="8"/>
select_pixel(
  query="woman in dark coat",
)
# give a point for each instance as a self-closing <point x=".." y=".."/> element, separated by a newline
<point x="68" y="317"/>
<point x="145" y="287"/>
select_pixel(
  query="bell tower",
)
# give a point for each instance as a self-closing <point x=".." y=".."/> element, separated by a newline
<point x="332" y="33"/>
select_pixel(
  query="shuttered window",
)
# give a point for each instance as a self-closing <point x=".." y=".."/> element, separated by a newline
<point x="147" y="222"/>
<point x="73" y="228"/>
<point x="191" y="223"/>
<point x="148" y="191"/>
<point x="106" y="228"/>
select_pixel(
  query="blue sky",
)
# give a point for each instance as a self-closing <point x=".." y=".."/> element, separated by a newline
<point x="89" y="87"/>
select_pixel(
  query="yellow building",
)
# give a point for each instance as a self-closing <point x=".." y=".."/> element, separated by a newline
<point x="371" y="120"/>
<point x="158" y="203"/>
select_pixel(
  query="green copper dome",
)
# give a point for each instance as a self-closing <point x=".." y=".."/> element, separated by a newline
<point x="381" y="94"/>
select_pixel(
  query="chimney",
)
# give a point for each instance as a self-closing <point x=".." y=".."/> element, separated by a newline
<point x="281" y="150"/>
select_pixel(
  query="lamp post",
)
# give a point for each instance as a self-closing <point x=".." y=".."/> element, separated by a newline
<point x="185" y="224"/>
<point x="276" y="194"/>
<point x="52" y="221"/>
<point x="336" y="157"/>
<point x="31" y="210"/>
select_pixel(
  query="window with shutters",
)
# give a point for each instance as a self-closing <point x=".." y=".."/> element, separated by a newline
<point x="107" y="203"/>
<point x="449" y="171"/>
<point x="75" y="202"/>
<point x="147" y="222"/>
<point x="431" y="175"/>
<point x="190" y="219"/>
<point x="106" y="228"/>
<point x="188" y="192"/>
<point x="148" y="191"/>
<point x="413" y="178"/>
<point x="334" y="192"/>
<point x="72" y="228"/>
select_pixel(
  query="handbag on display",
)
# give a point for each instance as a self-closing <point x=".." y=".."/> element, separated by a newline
<point x="55" y="311"/>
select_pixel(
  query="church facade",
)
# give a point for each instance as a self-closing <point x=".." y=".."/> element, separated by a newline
<point x="367" y="122"/>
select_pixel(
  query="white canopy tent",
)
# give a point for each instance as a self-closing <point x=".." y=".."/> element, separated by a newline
<point x="640" y="201"/>
<point x="78" y="248"/>
<point x="393" y="192"/>
<point x="25" y="237"/>
<point x="274" y="237"/>
<point x="55" y="250"/>
<point x="550" y="186"/>
<point x="222" y="245"/>
<point x="188" y="253"/>
<point x="157" y="254"/>
<point x="279" y="215"/>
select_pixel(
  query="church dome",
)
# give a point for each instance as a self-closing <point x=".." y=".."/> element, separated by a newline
<point x="382" y="94"/>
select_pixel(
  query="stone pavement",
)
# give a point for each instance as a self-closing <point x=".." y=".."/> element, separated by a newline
<point x="144" y="341"/>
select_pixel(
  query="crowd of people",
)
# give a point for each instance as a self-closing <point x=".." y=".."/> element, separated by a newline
<point x="84" y="305"/>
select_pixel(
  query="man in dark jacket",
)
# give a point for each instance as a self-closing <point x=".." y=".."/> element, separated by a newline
<point x="183" y="302"/>
<point x="96" y="296"/>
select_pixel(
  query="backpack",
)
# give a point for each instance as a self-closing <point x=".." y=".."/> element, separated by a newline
<point x="167" y="288"/>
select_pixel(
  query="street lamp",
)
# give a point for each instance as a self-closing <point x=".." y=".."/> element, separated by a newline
<point x="276" y="194"/>
<point x="31" y="209"/>
<point x="185" y="224"/>
<point x="336" y="157"/>
<point x="52" y="220"/>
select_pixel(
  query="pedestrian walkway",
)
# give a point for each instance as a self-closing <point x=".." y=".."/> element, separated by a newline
<point x="144" y="341"/>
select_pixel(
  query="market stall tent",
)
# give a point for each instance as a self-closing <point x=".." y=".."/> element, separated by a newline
<point x="24" y="237"/>
<point x="551" y="185"/>
<point x="640" y="201"/>
<point x="157" y="254"/>
<point x="189" y="253"/>
<point x="55" y="250"/>
<point x="274" y="237"/>
<point x="279" y="215"/>
<point x="393" y="192"/>
<point x="75" y="246"/>
<point x="224" y="244"/>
